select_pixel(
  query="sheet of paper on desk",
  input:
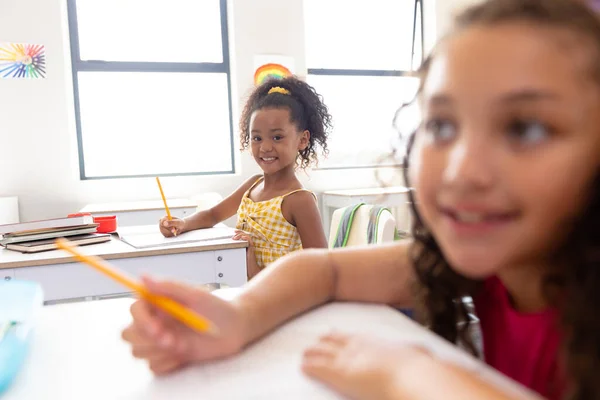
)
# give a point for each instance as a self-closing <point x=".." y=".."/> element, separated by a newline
<point x="142" y="240"/>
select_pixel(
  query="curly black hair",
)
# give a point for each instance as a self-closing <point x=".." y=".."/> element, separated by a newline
<point x="307" y="112"/>
<point x="573" y="285"/>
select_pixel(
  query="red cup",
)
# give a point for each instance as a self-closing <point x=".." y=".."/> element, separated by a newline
<point x="107" y="224"/>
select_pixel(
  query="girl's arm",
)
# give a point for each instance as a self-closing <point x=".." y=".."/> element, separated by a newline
<point x="367" y="367"/>
<point x="301" y="210"/>
<point x="290" y="286"/>
<point x="303" y="280"/>
<point x="451" y="382"/>
<point x="225" y="209"/>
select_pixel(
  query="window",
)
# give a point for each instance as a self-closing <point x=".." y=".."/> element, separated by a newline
<point x="361" y="57"/>
<point x="152" y="87"/>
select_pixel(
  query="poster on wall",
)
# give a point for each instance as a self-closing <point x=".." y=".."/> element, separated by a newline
<point x="272" y="67"/>
<point x="22" y="61"/>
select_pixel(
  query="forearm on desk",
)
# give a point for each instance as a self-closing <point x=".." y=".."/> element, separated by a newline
<point x="288" y="287"/>
<point x="199" y="220"/>
<point x="414" y="382"/>
<point x="306" y="279"/>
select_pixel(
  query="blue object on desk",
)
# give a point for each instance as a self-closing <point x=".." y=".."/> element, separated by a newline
<point x="21" y="302"/>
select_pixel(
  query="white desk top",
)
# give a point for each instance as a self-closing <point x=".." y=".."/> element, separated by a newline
<point x="77" y="354"/>
<point x="114" y="249"/>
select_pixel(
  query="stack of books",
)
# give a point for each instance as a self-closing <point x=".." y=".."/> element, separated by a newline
<point x="36" y="236"/>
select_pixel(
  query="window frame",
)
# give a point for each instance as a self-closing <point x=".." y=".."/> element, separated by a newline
<point x="378" y="73"/>
<point x="78" y="65"/>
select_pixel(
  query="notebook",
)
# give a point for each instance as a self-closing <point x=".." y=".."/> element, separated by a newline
<point x="46" y="224"/>
<point x="151" y="237"/>
<point x="49" y="234"/>
<point x="49" y="244"/>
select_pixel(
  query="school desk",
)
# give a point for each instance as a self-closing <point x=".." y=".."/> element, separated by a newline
<point x="77" y="353"/>
<point x="216" y="261"/>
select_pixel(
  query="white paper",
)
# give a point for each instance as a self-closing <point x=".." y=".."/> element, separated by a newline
<point x="141" y="240"/>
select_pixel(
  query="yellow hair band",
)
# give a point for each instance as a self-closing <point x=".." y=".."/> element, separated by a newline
<point x="277" y="89"/>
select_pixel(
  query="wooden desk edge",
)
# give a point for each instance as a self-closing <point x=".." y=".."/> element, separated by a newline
<point x="157" y="251"/>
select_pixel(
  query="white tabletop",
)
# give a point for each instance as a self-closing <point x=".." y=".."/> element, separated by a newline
<point x="77" y="353"/>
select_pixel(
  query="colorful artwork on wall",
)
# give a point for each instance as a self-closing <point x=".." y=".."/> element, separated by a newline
<point x="22" y="61"/>
<point x="272" y="67"/>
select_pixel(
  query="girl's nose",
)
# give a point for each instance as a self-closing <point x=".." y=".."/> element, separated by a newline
<point x="469" y="164"/>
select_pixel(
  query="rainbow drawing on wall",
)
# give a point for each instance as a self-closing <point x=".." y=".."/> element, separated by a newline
<point x="270" y="71"/>
<point x="21" y="60"/>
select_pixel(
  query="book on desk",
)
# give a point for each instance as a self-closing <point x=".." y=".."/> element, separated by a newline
<point x="25" y="228"/>
<point x="37" y="246"/>
<point x="38" y="236"/>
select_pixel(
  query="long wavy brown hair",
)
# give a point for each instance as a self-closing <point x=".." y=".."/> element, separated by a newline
<point x="574" y="283"/>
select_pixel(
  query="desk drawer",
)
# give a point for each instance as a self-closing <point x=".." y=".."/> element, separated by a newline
<point x="230" y="267"/>
<point x="74" y="280"/>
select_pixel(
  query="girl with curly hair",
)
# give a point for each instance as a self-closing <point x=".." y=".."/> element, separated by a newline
<point x="505" y="167"/>
<point x="283" y="123"/>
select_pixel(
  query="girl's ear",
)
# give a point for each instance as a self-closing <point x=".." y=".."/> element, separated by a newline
<point x="304" y="140"/>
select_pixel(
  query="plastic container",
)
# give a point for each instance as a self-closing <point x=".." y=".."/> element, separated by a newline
<point x="106" y="224"/>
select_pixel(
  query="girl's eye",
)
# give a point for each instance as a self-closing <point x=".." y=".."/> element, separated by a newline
<point x="277" y="138"/>
<point x="256" y="138"/>
<point x="441" y="130"/>
<point x="528" y="132"/>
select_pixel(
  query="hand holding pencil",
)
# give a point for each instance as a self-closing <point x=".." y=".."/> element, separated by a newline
<point x="166" y="339"/>
<point x="173" y="227"/>
<point x="176" y="310"/>
<point x="169" y="226"/>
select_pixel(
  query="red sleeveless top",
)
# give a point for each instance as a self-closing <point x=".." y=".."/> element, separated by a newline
<point x="522" y="346"/>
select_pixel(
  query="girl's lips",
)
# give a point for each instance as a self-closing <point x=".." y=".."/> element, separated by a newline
<point x="268" y="160"/>
<point x="477" y="222"/>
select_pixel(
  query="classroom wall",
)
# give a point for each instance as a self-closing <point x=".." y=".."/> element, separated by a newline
<point x="38" y="153"/>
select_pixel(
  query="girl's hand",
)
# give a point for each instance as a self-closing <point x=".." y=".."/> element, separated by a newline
<point x="167" y="344"/>
<point x="243" y="235"/>
<point x="252" y="267"/>
<point x="359" y="367"/>
<point x="171" y="227"/>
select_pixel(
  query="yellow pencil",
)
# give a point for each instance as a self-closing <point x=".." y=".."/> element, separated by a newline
<point x="164" y="199"/>
<point x="178" y="311"/>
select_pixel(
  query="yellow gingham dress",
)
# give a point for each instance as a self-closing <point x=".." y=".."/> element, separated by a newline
<point x="273" y="236"/>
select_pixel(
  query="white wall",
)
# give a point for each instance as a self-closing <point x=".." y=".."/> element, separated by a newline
<point x="38" y="154"/>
